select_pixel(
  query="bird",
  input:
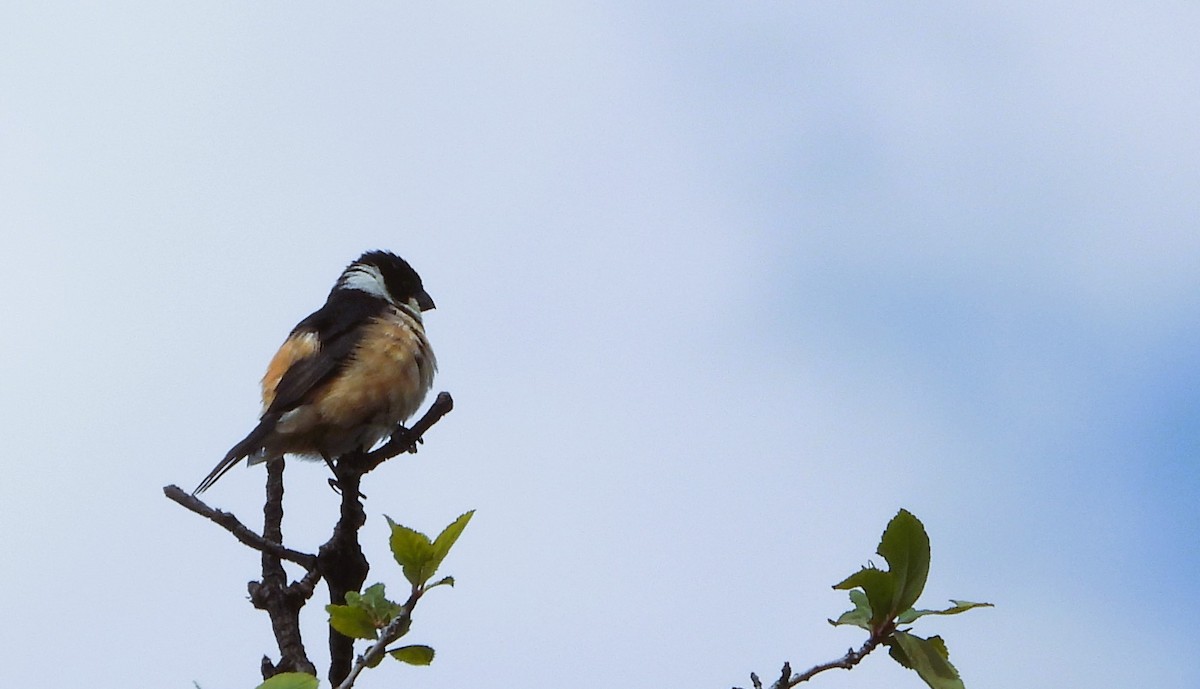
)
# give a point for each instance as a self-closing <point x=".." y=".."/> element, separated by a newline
<point x="349" y="373"/>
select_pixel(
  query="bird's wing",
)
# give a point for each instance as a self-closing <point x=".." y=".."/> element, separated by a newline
<point x="336" y="327"/>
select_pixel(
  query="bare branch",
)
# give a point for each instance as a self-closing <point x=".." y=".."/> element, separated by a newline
<point x="407" y="439"/>
<point x="239" y="530"/>
<point x="787" y="680"/>
<point x="846" y="662"/>
<point x="343" y="565"/>
<point x="281" y="602"/>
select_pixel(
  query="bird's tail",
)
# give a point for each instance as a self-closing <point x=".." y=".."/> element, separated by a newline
<point x="249" y="445"/>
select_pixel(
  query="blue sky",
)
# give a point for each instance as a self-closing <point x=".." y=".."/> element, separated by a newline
<point x="720" y="289"/>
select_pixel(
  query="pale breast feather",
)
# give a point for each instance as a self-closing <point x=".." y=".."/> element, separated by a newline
<point x="386" y="377"/>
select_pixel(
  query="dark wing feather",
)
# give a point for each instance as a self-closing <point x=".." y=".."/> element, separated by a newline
<point x="337" y="328"/>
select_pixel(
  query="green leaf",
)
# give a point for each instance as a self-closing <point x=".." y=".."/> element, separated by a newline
<point x="372" y="596"/>
<point x="446" y="539"/>
<point x="420" y="557"/>
<point x="352" y="621"/>
<point x="413" y="552"/>
<point x="378" y="607"/>
<point x="413" y="655"/>
<point x="364" y="613"/>
<point x="291" y="680"/>
<point x="880" y="589"/>
<point x="860" y="616"/>
<point x="444" y="581"/>
<point x="911" y="615"/>
<point x="905" y="546"/>
<point x="928" y="657"/>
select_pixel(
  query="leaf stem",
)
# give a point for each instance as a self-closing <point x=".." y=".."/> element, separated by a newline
<point x="395" y="629"/>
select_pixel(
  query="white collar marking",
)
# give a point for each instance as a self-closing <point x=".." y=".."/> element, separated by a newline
<point x="365" y="278"/>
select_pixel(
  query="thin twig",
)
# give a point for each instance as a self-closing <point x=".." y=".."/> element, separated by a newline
<point x="787" y="680"/>
<point x="239" y="530"/>
<point x="784" y="675"/>
<point x="846" y="662"/>
<point x="395" y="629"/>
<point x="406" y="440"/>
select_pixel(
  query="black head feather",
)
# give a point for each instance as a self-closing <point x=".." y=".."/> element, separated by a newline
<point x="399" y="279"/>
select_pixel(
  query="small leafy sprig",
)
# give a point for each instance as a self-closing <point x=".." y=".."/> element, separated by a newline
<point x="371" y="615"/>
<point x="883" y="601"/>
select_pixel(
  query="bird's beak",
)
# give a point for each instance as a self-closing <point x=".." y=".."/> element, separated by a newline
<point x="424" y="301"/>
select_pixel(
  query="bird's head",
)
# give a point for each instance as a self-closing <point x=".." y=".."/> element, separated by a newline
<point x="387" y="276"/>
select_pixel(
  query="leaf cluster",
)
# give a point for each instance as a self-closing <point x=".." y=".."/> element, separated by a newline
<point x="884" y="599"/>
<point x="372" y="615"/>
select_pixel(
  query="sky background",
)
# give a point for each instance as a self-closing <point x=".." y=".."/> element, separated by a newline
<point x="720" y="286"/>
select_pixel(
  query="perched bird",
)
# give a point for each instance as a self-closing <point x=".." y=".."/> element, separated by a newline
<point x="348" y="374"/>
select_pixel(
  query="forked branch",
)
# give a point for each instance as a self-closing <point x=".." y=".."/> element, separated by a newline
<point x="340" y="560"/>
